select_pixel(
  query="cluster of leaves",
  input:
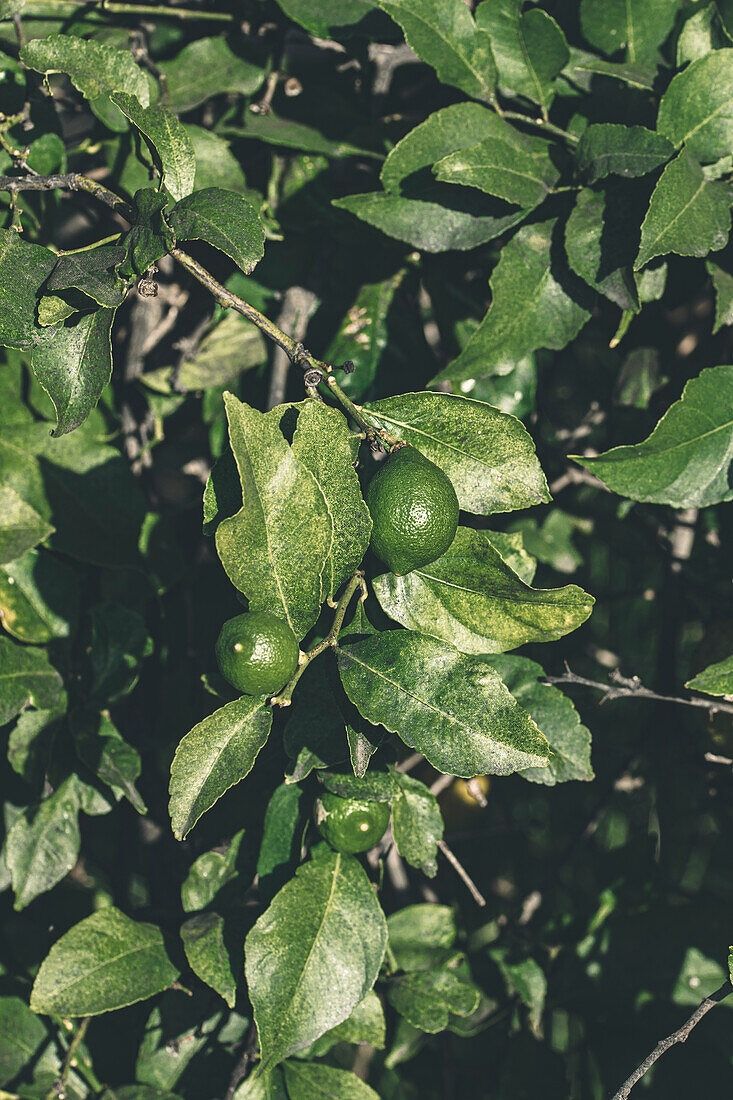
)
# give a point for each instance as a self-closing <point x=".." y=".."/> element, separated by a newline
<point x="569" y="162"/>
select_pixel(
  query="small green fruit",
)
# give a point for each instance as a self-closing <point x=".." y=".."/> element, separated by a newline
<point x="351" y="824"/>
<point x="414" y="510"/>
<point x="257" y="652"/>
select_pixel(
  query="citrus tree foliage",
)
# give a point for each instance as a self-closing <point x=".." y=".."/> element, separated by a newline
<point x="248" y="250"/>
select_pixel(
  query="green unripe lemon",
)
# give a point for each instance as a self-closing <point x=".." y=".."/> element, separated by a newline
<point x="351" y="824"/>
<point x="257" y="652"/>
<point x="414" y="510"/>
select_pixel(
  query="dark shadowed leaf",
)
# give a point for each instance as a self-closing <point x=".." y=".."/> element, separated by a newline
<point x="638" y="26"/>
<point x="208" y="67"/>
<point x="93" y="272"/>
<point x="601" y="241"/>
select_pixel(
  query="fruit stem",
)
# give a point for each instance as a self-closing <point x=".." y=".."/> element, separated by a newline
<point x="285" y="697"/>
<point x="373" y="431"/>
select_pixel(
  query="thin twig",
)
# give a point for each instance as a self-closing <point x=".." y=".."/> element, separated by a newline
<point x="679" y="1036"/>
<point x="297" y="307"/>
<point x="713" y="758"/>
<point x="71" y="181"/>
<point x="410" y="762"/>
<point x="631" y="687"/>
<point x="58" y="1089"/>
<point x="240" y="1070"/>
<point x="285" y="697"/>
<point x="462" y="873"/>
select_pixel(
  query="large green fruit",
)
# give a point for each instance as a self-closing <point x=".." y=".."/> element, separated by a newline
<point x="351" y="824"/>
<point x="257" y="652"/>
<point x="414" y="509"/>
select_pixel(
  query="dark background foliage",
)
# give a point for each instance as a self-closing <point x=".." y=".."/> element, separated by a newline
<point x="607" y="915"/>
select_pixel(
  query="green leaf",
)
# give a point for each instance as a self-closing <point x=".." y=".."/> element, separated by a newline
<point x="216" y="165"/>
<point x="428" y="998"/>
<point x="417" y="824"/>
<point x="366" y="1024"/>
<point x="74" y="364"/>
<point x="167" y="140"/>
<point x="224" y="219"/>
<point x="325" y="921"/>
<point x="716" y="679"/>
<point x="26" y="676"/>
<point x="700" y="34"/>
<point x="697" y="108"/>
<point x="325" y="17"/>
<point x="93" y="272"/>
<point x="232" y="346"/>
<point x="423" y="212"/>
<point x="207" y="67"/>
<point x="43" y="844"/>
<point x="534" y="304"/>
<point x="723" y="285"/>
<point x="203" y="942"/>
<point x="150" y="237"/>
<point x="512" y="165"/>
<point x="488" y="455"/>
<point x="311" y="1081"/>
<point x="433" y="226"/>
<point x="321" y="445"/>
<point x="105" y="752"/>
<point x="555" y="715"/>
<point x="281" y="502"/>
<point x="529" y="48"/>
<point x="607" y="149"/>
<point x="638" y="26"/>
<point x="103" y="963"/>
<point x="601" y="241"/>
<point x="30" y="743"/>
<point x="21" y="527"/>
<point x="92" y="67"/>
<point x="527" y="979"/>
<point x="216" y="754"/>
<point x="441" y="703"/>
<point x="268" y="1086"/>
<point x="421" y="936"/>
<point x="687" y="214"/>
<point x="281" y="834"/>
<point x="39" y="597"/>
<point x="291" y="134"/>
<point x="443" y="33"/>
<point x="209" y="874"/>
<point x="583" y="65"/>
<point x="686" y="460"/>
<point x="362" y="335"/>
<point x="22" y="1037"/>
<point x="24" y="268"/>
<point x="377" y="786"/>
<point x="472" y="599"/>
